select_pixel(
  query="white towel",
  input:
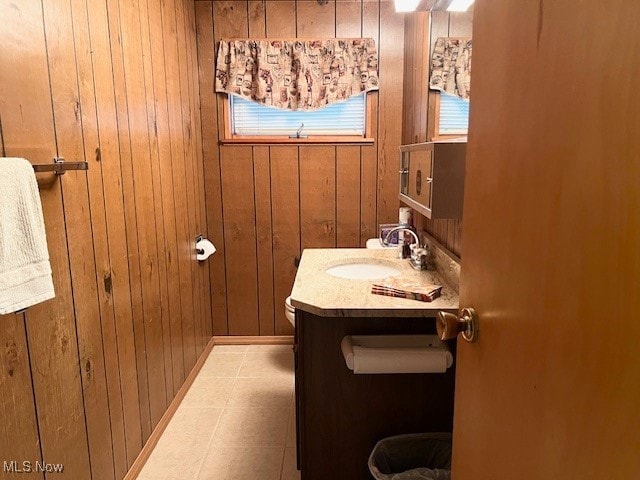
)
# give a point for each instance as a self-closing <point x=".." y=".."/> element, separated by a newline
<point x="25" y="272"/>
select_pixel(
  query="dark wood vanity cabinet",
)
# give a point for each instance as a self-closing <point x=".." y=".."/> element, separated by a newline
<point x="340" y="416"/>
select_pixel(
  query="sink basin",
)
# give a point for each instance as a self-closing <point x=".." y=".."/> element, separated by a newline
<point x="363" y="270"/>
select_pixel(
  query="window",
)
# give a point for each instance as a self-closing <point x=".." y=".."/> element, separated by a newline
<point x="454" y="115"/>
<point x="338" y="122"/>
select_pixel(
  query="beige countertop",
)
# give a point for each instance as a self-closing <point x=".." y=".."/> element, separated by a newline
<point x="320" y="293"/>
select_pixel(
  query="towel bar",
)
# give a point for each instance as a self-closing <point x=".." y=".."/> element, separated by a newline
<point x="59" y="166"/>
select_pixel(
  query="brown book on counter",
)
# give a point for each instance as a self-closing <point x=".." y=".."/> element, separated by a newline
<point x="410" y="290"/>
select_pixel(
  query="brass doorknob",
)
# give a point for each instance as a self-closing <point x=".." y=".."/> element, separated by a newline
<point x="449" y="325"/>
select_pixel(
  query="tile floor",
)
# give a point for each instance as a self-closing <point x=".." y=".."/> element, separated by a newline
<point x="236" y="422"/>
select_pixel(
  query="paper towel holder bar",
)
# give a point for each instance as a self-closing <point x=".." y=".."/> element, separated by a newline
<point x="395" y="354"/>
<point x="59" y="166"/>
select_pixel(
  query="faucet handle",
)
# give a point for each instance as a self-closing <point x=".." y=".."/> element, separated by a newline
<point x="419" y="257"/>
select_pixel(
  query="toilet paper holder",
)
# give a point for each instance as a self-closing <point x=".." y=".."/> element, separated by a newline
<point x="199" y="251"/>
<point x="203" y="253"/>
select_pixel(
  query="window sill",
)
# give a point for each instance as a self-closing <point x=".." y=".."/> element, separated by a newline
<point x="335" y="140"/>
<point x="449" y="137"/>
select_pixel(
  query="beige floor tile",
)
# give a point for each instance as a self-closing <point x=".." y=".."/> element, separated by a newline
<point x="270" y="348"/>
<point x="174" y="459"/>
<point x="291" y="429"/>
<point x="252" y="427"/>
<point x="267" y="364"/>
<point x="222" y="365"/>
<point x="289" y="469"/>
<point x="253" y="411"/>
<point x="193" y="425"/>
<point x="273" y="392"/>
<point x="242" y="463"/>
<point x="229" y="349"/>
<point x="209" y="392"/>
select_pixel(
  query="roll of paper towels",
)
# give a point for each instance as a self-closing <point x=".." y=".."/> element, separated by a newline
<point x="204" y="249"/>
<point x="396" y="354"/>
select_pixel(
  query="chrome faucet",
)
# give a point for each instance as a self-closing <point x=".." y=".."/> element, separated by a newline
<point x="385" y="240"/>
<point x="417" y="256"/>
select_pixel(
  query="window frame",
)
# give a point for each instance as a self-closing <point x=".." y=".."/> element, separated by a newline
<point x="368" y="138"/>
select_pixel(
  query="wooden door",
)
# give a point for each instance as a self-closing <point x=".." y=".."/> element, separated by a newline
<point x="551" y="247"/>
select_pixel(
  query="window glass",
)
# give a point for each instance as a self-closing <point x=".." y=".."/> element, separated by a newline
<point x="343" y="118"/>
<point x="454" y="115"/>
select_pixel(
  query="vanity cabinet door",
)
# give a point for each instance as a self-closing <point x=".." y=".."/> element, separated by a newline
<point x="420" y="179"/>
<point x="342" y="415"/>
<point x="297" y="367"/>
<point x="432" y="178"/>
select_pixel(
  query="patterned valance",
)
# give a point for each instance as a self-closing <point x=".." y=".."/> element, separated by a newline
<point x="297" y="75"/>
<point x="451" y="66"/>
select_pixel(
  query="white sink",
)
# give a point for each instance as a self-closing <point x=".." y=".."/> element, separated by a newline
<point x="362" y="270"/>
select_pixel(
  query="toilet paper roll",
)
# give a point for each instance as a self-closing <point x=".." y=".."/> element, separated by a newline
<point x="204" y="249"/>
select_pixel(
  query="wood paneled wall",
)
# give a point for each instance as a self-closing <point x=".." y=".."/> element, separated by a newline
<point x="267" y="203"/>
<point x="421" y="31"/>
<point x="84" y="378"/>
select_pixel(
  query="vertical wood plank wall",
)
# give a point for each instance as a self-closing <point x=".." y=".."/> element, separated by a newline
<point x="85" y="378"/>
<point x="267" y="203"/>
<point x="421" y="31"/>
